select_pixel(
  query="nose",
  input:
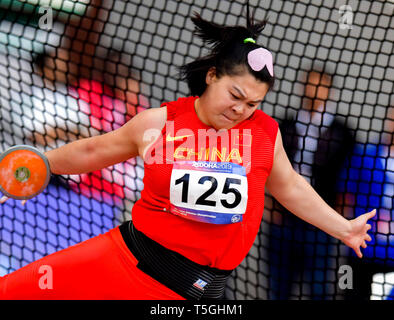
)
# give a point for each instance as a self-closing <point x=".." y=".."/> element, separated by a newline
<point x="238" y="109"/>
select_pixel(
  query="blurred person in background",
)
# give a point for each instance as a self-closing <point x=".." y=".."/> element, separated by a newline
<point x="317" y="143"/>
<point x="101" y="100"/>
<point x="368" y="181"/>
<point x="88" y="89"/>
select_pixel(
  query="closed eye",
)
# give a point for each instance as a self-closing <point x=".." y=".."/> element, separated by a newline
<point x="234" y="96"/>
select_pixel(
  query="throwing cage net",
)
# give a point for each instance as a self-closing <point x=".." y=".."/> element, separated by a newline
<point x="71" y="69"/>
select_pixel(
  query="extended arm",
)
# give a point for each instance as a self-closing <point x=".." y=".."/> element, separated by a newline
<point x="297" y="195"/>
<point x="98" y="152"/>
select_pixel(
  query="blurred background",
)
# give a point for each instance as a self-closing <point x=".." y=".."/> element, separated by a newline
<point x="70" y="69"/>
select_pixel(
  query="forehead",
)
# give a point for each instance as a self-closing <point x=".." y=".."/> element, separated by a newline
<point x="246" y="82"/>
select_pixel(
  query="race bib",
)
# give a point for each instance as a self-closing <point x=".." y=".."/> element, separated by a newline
<point x="210" y="192"/>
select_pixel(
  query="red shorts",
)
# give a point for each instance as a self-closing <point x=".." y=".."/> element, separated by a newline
<point x="101" y="268"/>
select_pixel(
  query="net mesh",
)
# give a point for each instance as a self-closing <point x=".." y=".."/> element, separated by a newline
<point x="71" y="69"/>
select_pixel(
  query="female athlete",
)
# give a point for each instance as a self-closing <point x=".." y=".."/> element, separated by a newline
<point x="208" y="158"/>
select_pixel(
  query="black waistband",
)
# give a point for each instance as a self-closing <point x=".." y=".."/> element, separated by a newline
<point x="185" y="277"/>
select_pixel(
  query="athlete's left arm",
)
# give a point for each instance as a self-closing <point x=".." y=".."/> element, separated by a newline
<point x="298" y="196"/>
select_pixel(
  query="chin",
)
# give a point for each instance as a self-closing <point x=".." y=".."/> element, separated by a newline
<point x="224" y="126"/>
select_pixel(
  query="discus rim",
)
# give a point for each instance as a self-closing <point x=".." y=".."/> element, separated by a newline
<point x="46" y="162"/>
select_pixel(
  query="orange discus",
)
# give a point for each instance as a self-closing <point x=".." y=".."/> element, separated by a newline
<point x="24" y="172"/>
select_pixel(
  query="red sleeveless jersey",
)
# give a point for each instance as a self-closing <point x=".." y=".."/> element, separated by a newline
<point x="203" y="193"/>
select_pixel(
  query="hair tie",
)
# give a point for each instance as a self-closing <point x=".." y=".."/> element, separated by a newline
<point x="249" y="40"/>
<point x="260" y="58"/>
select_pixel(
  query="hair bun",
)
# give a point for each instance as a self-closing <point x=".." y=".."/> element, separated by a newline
<point x="218" y="35"/>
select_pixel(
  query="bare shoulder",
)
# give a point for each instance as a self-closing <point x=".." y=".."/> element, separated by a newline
<point x="153" y="118"/>
<point x="130" y="140"/>
<point x="146" y="127"/>
<point x="150" y="119"/>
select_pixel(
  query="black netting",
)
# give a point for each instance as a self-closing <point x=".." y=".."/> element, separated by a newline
<point x="71" y="69"/>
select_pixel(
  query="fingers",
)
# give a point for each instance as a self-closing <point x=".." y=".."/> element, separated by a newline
<point x="366" y="236"/>
<point x="371" y="214"/>
<point x="363" y="245"/>
<point x="3" y="199"/>
<point x="358" y="252"/>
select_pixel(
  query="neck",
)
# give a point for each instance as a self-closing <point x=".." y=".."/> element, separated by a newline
<point x="199" y="111"/>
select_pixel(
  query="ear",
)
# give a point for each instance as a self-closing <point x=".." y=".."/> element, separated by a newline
<point x="211" y="75"/>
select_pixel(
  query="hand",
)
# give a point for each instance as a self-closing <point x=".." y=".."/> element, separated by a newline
<point x="358" y="232"/>
<point x="5" y="198"/>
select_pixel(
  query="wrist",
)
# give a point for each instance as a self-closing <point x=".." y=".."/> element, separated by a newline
<point x="48" y="161"/>
<point x="346" y="231"/>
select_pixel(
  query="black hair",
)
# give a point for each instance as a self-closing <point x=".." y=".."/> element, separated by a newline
<point x="228" y="52"/>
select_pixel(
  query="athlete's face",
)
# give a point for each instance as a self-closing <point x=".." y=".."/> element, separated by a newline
<point x="229" y="100"/>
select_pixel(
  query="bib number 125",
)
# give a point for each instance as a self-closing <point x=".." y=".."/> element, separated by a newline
<point x="213" y="194"/>
<point x="212" y="182"/>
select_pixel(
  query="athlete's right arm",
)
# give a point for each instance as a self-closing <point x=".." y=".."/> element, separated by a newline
<point x="98" y="152"/>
